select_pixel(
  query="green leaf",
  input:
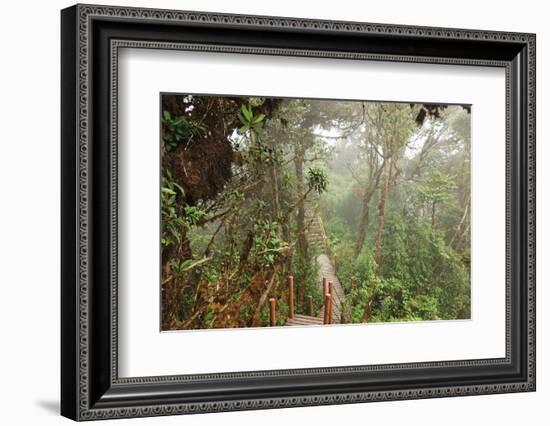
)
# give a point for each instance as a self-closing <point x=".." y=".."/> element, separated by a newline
<point x="179" y="187"/>
<point x="258" y="118"/>
<point x="247" y="112"/>
<point x="185" y="264"/>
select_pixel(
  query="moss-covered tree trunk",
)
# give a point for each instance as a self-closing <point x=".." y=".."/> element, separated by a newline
<point x="365" y="210"/>
<point x="301" y="243"/>
<point x="382" y="214"/>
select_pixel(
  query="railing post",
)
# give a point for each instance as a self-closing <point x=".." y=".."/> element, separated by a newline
<point x="329" y="317"/>
<point x="327" y="302"/>
<point x="310" y="305"/>
<point x="330" y="288"/>
<point x="325" y="286"/>
<point x="272" y="319"/>
<point x="291" y="297"/>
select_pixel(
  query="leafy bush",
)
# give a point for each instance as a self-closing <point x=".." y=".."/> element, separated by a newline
<point x="421" y="278"/>
<point x="177" y="129"/>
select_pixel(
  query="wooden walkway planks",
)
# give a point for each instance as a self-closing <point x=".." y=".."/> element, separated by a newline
<point x="316" y="238"/>
<point x="326" y="270"/>
<point x="305" y="320"/>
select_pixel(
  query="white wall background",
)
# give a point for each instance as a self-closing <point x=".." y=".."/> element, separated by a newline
<point x="29" y="213"/>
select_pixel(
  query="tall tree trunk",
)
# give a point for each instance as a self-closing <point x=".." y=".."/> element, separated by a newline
<point x="382" y="214"/>
<point x="276" y="204"/>
<point x="300" y="216"/>
<point x="459" y="228"/>
<point x="301" y="243"/>
<point x="363" y="226"/>
<point x="365" y="210"/>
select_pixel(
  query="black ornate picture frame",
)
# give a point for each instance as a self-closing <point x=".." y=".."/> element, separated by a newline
<point x="91" y="387"/>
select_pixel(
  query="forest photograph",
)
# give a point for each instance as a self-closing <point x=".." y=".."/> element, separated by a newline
<point x="312" y="212"/>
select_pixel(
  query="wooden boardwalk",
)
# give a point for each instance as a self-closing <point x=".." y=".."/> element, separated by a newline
<point x="304" y="320"/>
<point x="326" y="270"/>
<point x="317" y="239"/>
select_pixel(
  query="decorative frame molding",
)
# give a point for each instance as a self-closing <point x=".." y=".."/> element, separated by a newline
<point x="91" y="37"/>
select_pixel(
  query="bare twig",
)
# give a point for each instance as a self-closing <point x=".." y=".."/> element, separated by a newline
<point x="263" y="298"/>
<point x="197" y="263"/>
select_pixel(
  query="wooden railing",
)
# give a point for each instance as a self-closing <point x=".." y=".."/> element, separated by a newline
<point x="328" y="303"/>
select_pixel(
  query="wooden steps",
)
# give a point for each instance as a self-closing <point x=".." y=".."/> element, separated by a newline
<point x="316" y="238"/>
<point x="304" y="320"/>
<point x="326" y="270"/>
<point x="314" y="234"/>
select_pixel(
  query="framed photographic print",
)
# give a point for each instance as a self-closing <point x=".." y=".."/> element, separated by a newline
<point x="263" y="212"/>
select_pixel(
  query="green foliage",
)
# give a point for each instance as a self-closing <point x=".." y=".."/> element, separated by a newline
<point x="361" y="268"/>
<point x="306" y="275"/>
<point x="249" y="121"/>
<point x="337" y="231"/>
<point x="421" y="278"/>
<point x="172" y="223"/>
<point x="341" y="205"/>
<point x="435" y="277"/>
<point x="438" y="189"/>
<point x="268" y="242"/>
<point x="281" y="315"/>
<point x="193" y="215"/>
<point x="259" y="150"/>
<point x="175" y="221"/>
<point x="177" y="129"/>
<point x="180" y="266"/>
<point x="317" y="180"/>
